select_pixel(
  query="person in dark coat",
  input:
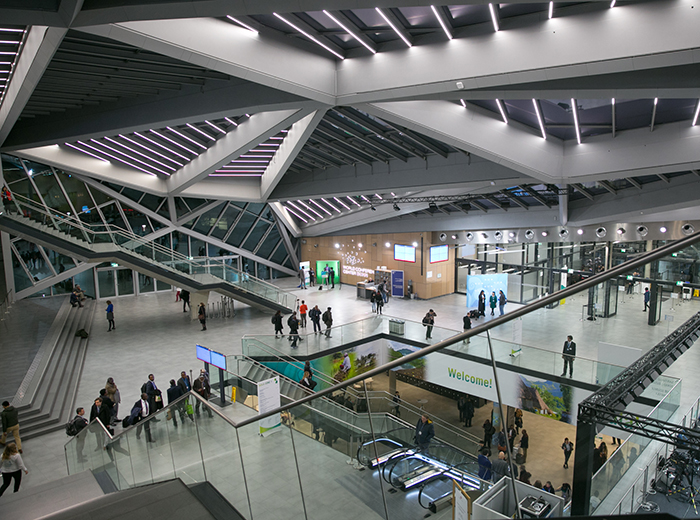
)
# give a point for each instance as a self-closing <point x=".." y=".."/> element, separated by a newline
<point x="524" y="444"/>
<point x="568" y="355"/>
<point x="489" y="430"/>
<point x="468" y="412"/>
<point x="185" y="297"/>
<point x="482" y="303"/>
<point x="293" y="324"/>
<point x="101" y="412"/>
<point x="202" y="315"/>
<point x="139" y="412"/>
<point x="155" y="396"/>
<point x="315" y="317"/>
<point x="277" y="322"/>
<point x="466" y="325"/>
<point x="484" y="465"/>
<point x="201" y="386"/>
<point x="425" y="431"/>
<point x="461" y="405"/>
<point x="174" y="392"/>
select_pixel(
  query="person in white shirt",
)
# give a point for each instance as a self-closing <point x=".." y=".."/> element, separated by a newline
<point x="145" y="412"/>
<point x="11" y="467"/>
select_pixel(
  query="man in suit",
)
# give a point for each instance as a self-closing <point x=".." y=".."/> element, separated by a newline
<point x="201" y="386"/>
<point x="184" y="382"/>
<point x="155" y="399"/>
<point x="568" y="354"/>
<point x="174" y="393"/>
<point x="144" y="411"/>
<point x="102" y="412"/>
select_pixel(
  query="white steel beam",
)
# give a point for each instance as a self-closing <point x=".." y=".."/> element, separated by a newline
<point x="285" y="219"/>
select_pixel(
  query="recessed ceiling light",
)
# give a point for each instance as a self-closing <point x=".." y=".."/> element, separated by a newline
<point x="337" y="246"/>
<point x="387" y="244"/>
<point x="580" y="231"/>
<point x="415" y="244"/>
<point x="545" y="233"/>
<point x="620" y="231"/>
<point x="662" y="229"/>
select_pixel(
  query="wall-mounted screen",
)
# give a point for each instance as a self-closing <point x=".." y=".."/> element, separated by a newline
<point x="439" y="254"/>
<point x="218" y="360"/>
<point x="203" y="354"/>
<point x="404" y="253"/>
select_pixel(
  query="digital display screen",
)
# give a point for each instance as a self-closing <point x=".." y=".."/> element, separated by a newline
<point x="439" y="254"/>
<point x="203" y="354"/>
<point x="404" y="253"/>
<point x="218" y="360"/>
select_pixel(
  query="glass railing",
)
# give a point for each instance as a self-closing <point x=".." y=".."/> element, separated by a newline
<point x="201" y="270"/>
<point x="624" y="457"/>
<point x="505" y="352"/>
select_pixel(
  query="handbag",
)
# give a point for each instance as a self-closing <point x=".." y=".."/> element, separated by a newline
<point x="190" y="409"/>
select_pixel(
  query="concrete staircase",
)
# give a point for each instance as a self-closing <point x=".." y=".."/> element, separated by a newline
<point x="46" y="397"/>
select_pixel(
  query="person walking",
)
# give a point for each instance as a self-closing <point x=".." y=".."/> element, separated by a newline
<point x="524" y="444"/>
<point x="328" y="321"/>
<point x="568" y="355"/>
<point x="185" y="297"/>
<point x="484" y="464"/>
<point x="175" y="392"/>
<point x="647" y="296"/>
<point x="277" y="322"/>
<point x="466" y="325"/>
<point x="461" y="406"/>
<point x="502" y="300"/>
<point x="425" y="431"/>
<point x="568" y="447"/>
<point x="10" y="424"/>
<point x="380" y="303"/>
<point x="110" y="316"/>
<point x="482" y="303"/>
<point x="114" y="395"/>
<point x="201" y="386"/>
<point x="468" y="412"/>
<point x="489" y="430"/>
<point x="202" y="315"/>
<point x="493" y="300"/>
<point x="11" y="467"/>
<point x="428" y="323"/>
<point x="293" y="324"/>
<point x="315" y="316"/>
<point x="373" y="301"/>
<point x="139" y="412"/>
<point x="302" y="278"/>
<point x="303" y="309"/>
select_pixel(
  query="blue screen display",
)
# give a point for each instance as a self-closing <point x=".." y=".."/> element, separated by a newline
<point x="404" y="253"/>
<point x="218" y="360"/>
<point x="439" y="254"/>
<point x="204" y="354"/>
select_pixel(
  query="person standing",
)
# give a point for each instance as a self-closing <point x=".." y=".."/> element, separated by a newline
<point x="461" y="406"/>
<point x="397" y="404"/>
<point x="315" y="315"/>
<point x="10" y="424"/>
<point x="185" y="297"/>
<point x="202" y="315"/>
<point x="647" y="296"/>
<point x="110" y="316"/>
<point x="502" y="300"/>
<point x="201" y="386"/>
<point x="11" y="467"/>
<point x="312" y="277"/>
<point x="114" y="395"/>
<point x="331" y="275"/>
<point x="380" y="302"/>
<point x="568" y="354"/>
<point x="293" y="324"/>
<point x="429" y="322"/>
<point x="468" y="412"/>
<point x="303" y="309"/>
<point x="482" y="303"/>
<point x="328" y="321"/>
<point x="425" y="431"/>
<point x="101" y="412"/>
<point x="184" y="382"/>
<point x="155" y="396"/>
<point x="568" y="447"/>
<point x="484" y="464"/>
<point x="80" y="423"/>
<point x="466" y="325"/>
<point x="277" y="322"/>
<point x="524" y="444"/>
<point x="302" y="278"/>
<point x="489" y="430"/>
<point x="500" y="467"/>
<point x="142" y="408"/>
<point x="492" y="302"/>
<point x="373" y="300"/>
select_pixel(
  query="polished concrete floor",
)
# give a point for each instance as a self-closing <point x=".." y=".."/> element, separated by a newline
<point x="153" y="335"/>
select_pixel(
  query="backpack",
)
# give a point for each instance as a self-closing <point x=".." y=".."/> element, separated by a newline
<point x="326" y="317"/>
<point x="144" y="388"/>
<point x="72" y="428"/>
<point x="272" y="320"/>
<point x="426" y="321"/>
<point x="82" y="333"/>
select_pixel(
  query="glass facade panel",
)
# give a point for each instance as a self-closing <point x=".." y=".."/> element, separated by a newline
<point x="112" y="215"/>
<point x="145" y="283"/>
<point x="206" y="221"/>
<point x="138" y="221"/>
<point x="269" y="244"/>
<point x="105" y="282"/>
<point x="256" y="235"/>
<point x="279" y="255"/>
<point x="241" y="229"/>
<point x="151" y="201"/>
<point x="99" y="196"/>
<point x="76" y="190"/>
<point x="51" y="192"/>
<point x="125" y="281"/>
<point x="162" y="286"/>
<point x="225" y="223"/>
<point x="197" y="247"/>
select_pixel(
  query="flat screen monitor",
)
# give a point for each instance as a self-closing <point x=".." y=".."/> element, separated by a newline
<point x="439" y="254"/>
<point x="218" y="360"/>
<point x="203" y="354"/>
<point x="404" y="253"/>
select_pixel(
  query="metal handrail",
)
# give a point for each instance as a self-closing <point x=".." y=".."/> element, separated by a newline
<point x="111" y="229"/>
<point x="594" y="280"/>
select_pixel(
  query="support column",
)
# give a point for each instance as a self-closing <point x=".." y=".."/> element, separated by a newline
<point x="583" y="468"/>
<point x="7" y="263"/>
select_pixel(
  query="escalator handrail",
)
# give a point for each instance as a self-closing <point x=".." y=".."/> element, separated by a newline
<point x="395" y="459"/>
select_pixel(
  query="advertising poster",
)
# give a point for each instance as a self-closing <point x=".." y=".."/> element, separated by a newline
<point x="397" y="284"/>
<point x="323" y="268"/>
<point x="306" y="266"/>
<point x="485" y="282"/>
<point x="269" y="399"/>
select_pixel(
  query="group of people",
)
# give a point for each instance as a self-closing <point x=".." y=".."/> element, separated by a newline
<point x="327" y="277"/>
<point x="294" y="322"/>
<point x="77" y="297"/>
<point x="11" y="464"/>
<point x="494" y="301"/>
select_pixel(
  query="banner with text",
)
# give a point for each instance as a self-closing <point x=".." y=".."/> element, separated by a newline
<point x="397" y="284"/>
<point x="269" y="399"/>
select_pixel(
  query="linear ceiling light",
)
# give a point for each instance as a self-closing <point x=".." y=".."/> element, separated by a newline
<point x="310" y="208"/>
<point x="215" y="127"/>
<point x="301" y="210"/>
<point x="241" y="24"/>
<point x="551" y="10"/>
<point x="442" y="23"/>
<point x="163" y="147"/>
<point x="187" y="138"/>
<point x="321" y="207"/>
<point x="201" y="132"/>
<point x="341" y="203"/>
<point x="494" y="18"/>
<point x="574" y="109"/>
<point x="502" y="110"/>
<point x="154" y="152"/>
<point x="117" y="158"/>
<point x="87" y="153"/>
<point x="612" y="4"/>
<point x="331" y="205"/>
<point x="463" y="103"/>
<point x="539" y="118"/>
<point x="396" y="30"/>
<point x="378" y="196"/>
<point x="231" y="121"/>
<point x="173" y="141"/>
<point x="142" y="155"/>
<point x="295" y="214"/>
<point x="309" y="36"/>
<point x="697" y="113"/>
<point x="349" y="31"/>
<point x="353" y="200"/>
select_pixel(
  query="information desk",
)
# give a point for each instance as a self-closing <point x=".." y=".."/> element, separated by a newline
<point x="365" y="290"/>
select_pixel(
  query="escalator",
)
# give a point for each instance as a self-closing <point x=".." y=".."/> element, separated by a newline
<point x="99" y="243"/>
